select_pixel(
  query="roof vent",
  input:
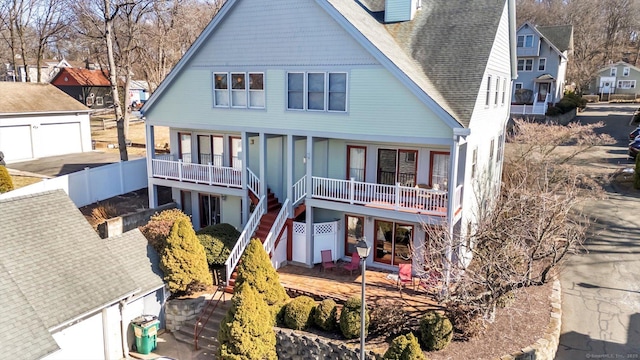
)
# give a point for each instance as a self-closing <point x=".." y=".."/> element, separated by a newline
<point x="400" y="10"/>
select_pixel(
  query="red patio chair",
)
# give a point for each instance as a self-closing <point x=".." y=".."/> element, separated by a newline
<point x="405" y="276"/>
<point x="354" y="264"/>
<point x="327" y="260"/>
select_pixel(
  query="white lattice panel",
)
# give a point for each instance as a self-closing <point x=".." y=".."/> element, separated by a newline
<point x="299" y="228"/>
<point x="326" y="228"/>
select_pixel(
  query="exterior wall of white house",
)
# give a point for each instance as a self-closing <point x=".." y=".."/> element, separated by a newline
<point x="81" y="341"/>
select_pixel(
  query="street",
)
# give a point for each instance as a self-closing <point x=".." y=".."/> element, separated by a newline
<point x="601" y="287"/>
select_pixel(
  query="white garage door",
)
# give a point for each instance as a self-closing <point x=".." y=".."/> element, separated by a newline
<point x="15" y="142"/>
<point x="58" y="139"/>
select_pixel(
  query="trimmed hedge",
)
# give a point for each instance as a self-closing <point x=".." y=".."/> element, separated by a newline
<point x="436" y="331"/>
<point x="183" y="260"/>
<point x="350" y="319"/>
<point x="159" y="226"/>
<point x="298" y="313"/>
<point x="244" y="333"/>
<point x="218" y="241"/>
<point x="325" y="316"/>
<point x="6" y="183"/>
<point x="405" y="347"/>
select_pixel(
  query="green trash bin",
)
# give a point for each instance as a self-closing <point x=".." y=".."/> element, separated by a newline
<point x="145" y="328"/>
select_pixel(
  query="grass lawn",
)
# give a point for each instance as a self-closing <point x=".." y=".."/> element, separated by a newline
<point x="22" y="181"/>
<point x="137" y="135"/>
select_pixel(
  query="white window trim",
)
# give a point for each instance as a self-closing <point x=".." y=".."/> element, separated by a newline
<point x="524" y="40"/>
<point x="631" y="84"/>
<point x="305" y="91"/>
<point x="545" y="64"/>
<point x="626" y="71"/>
<point x="474" y="163"/>
<point x="487" y="100"/>
<point x="246" y="90"/>
<point x="613" y="72"/>
<point x="497" y="92"/>
<point x="504" y="91"/>
<point x="515" y="86"/>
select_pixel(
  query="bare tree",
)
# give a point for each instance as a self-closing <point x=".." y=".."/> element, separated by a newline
<point x="525" y="233"/>
<point x="49" y="21"/>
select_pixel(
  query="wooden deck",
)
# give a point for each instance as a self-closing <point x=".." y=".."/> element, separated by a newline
<point x="339" y="285"/>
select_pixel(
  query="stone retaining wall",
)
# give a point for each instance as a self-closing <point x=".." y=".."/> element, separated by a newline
<point x="121" y="224"/>
<point x="179" y="311"/>
<point x="545" y="348"/>
<point x="305" y="346"/>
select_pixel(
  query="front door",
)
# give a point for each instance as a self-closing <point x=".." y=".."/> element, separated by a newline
<point x="606" y="85"/>
<point x="543" y="90"/>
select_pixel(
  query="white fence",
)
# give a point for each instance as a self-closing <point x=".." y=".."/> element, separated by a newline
<point x="325" y="237"/>
<point x="91" y="185"/>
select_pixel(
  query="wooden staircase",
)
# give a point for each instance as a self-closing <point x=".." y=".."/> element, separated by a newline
<point x="266" y="222"/>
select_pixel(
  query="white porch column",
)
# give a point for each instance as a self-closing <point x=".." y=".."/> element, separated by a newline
<point x="263" y="164"/>
<point x="290" y="180"/>
<point x="245" y="165"/>
<point x="452" y="185"/>
<point x="150" y="144"/>
<point x="309" y="210"/>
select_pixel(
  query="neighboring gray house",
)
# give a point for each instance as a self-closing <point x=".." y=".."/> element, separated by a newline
<point x="337" y="119"/>
<point x="66" y="293"/>
<point x="618" y="78"/>
<point x="543" y="53"/>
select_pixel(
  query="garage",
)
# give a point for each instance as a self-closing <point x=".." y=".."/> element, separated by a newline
<point x="39" y="120"/>
<point x="15" y="142"/>
<point x="58" y="139"/>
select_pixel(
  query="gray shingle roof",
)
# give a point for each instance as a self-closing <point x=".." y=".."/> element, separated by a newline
<point x="139" y="258"/>
<point x="444" y="49"/>
<point x="22" y="333"/>
<point x="560" y="36"/>
<point x="57" y="260"/>
<point x="20" y="97"/>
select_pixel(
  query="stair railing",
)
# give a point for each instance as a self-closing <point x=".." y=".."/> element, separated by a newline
<point x="253" y="183"/>
<point x="299" y="190"/>
<point x="277" y="226"/>
<point x="245" y="237"/>
<point x="208" y="310"/>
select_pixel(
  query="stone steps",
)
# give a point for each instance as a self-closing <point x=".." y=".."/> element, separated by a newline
<point x="208" y="337"/>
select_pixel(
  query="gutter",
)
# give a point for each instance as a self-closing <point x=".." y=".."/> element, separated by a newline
<point x="47" y="112"/>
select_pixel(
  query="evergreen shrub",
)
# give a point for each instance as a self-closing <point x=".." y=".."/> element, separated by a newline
<point x="218" y="241"/>
<point x="405" y="347"/>
<point x="244" y="333"/>
<point x="183" y="261"/>
<point x="350" y="319"/>
<point x="298" y="313"/>
<point x="325" y="315"/>
<point x="6" y="183"/>
<point x="436" y="331"/>
<point x="159" y="226"/>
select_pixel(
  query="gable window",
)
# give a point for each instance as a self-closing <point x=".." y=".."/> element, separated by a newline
<point x="487" y="101"/>
<point x="525" y="41"/>
<point x="625" y="71"/>
<point x="626" y="84"/>
<point x="614" y="71"/>
<point x="542" y="64"/>
<point x="495" y="101"/>
<point x="525" y="64"/>
<point x="242" y="95"/>
<point x="317" y="91"/>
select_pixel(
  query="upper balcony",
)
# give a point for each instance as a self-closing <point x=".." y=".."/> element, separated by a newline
<point x="167" y="167"/>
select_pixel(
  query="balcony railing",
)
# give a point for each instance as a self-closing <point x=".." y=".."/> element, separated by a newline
<point x="197" y="173"/>
<point x="395" y="197"/>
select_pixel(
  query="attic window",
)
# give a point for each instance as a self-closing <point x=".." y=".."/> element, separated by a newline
<point x="66" y="78"/>
<point x="525" y="41"/>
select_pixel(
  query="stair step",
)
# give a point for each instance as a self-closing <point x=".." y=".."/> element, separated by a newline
<point x="203" y="343"/>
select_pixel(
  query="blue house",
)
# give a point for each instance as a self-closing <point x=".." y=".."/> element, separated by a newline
<point x="312" y="124"/>
<point x="543" y="53"/>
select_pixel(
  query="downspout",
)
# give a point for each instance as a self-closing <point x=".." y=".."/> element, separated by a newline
<point x="123" y="327"/>
<point x="511" y="8"/>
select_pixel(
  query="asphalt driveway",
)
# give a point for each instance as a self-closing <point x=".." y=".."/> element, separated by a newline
<point x="601" y="286"/>
<point x="64" y="164"/>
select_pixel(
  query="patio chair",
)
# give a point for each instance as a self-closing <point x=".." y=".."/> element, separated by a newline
<point x="354" y="264"/>
<point x="327" y="260"/>
<point x="405" y="276"/>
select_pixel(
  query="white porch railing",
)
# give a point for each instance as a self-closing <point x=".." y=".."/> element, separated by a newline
<point x="299" y="190"/>
<point x="196" y="173"/>
<point x="245" y="237"/>
<point x="278" y="224"/>
<point x="457" y="199"/>
<point x="394" y="197"/>
<point x="253" y="182"/>
<point x="538" y="107"/>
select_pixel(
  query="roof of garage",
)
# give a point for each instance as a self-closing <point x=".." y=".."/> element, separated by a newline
<point x="20" y="97"/>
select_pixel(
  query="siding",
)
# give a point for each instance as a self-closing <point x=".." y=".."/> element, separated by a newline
<point x="298" y="33"/>
<point x="376" y="100"/>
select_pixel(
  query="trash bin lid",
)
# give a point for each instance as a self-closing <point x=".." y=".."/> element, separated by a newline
<point x="145" y="320"/>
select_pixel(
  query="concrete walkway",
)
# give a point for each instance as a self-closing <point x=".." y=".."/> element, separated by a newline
<point x="64" y="164"/>
<point x="601" y="286"/>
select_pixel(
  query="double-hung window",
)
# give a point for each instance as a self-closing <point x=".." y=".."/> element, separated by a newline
<point x="626" y="84"/>
<point x="488" y="97"/>
<point x="525" y="41"/>
<point x="317" y="91"/>
<point x="525" y="64"/>
<point x="497" y="91"/>
<point x="625" y="71"/>
<point x="542" y="64"/>
<point x="614" y="72"/>
<point x="239" y="90"/>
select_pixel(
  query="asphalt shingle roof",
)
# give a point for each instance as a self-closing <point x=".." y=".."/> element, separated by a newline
<point x="560" y="36"/>
<point x="82" y="77"/>
<point x="139" y="258"/>
<point x="57" y="260"/>
<point x="444" y="49"/>
<point x="18" y="97"/>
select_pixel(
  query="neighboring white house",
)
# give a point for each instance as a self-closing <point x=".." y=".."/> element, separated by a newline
<point x="66" y="293"/>
<point x="339" y="120"/>
<point x="543" y="54"/>
<point x="39" y="120"/>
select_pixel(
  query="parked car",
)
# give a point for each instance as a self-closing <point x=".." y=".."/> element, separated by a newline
<point x="634" y="134"/>
<point x="634" y="148"/>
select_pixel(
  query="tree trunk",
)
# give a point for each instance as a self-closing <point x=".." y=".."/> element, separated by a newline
<point x="108" y="24"/>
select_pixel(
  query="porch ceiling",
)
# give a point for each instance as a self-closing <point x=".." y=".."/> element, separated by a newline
<point x="404" y="216"/>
